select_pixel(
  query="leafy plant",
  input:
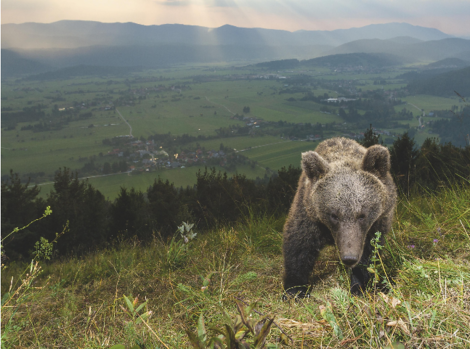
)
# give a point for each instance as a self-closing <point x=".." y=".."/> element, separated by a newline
<point x="376" y="266"/>
<point x="133" y="311"/>
<point x="244" y="332"/>
<point x="18" y="295"/>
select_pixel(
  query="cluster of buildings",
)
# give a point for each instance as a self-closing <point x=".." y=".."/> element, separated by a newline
<point x="249" y="121"/>
<point x="146" y="155"/>
<point x="338" y="100"/>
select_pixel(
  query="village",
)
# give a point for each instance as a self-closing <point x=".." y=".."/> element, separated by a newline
<point x="147" y="156"/>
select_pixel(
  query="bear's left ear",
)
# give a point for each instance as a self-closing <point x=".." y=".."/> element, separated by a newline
<point x="377" y="161"/>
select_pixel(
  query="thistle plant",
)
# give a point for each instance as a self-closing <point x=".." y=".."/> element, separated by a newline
<point x="178" y="249"/>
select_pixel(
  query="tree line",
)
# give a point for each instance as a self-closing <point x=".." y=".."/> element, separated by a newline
<point x="216" y="200"/>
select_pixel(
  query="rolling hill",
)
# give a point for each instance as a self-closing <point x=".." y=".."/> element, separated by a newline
<point x="429" y="50"/>
<point x="448" y="63"/>
<point x="13" y="64"/>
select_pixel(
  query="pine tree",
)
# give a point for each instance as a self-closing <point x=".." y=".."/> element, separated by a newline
<point x="370" y="138"/>
<point x="404" y="155"/>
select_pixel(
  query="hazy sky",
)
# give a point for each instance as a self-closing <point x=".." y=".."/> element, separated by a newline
<point x="450" y="16"/>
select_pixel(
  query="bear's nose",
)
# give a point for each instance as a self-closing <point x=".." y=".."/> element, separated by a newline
<point x="349" y="260"/>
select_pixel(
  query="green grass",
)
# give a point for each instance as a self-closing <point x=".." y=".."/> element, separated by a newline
<point x="278" y="155"/>
<point x="80" y="302"/>
<point x="390" y="86"/>
<point x="26" y="151"/>
<point x="429" y="103"/>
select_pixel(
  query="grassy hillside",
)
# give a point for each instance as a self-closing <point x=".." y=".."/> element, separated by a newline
<point x="423" y="272"/>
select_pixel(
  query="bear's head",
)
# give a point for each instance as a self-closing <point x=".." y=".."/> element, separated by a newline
<point x="347" y="197"/>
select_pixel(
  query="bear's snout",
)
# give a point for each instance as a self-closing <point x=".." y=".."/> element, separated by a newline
<point x="350" y="261"/>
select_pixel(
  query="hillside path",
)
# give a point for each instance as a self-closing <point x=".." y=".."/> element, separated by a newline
<point x="130" y="127"/>
<point x="231" y="112"/>
<point x="259" y="146"/>
<point x="83" y="178"/>
<point x="421" y="110"/>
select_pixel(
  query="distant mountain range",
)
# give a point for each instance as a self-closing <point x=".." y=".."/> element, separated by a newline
<point x="34" y="47"/>
<point x="73" y="34"/>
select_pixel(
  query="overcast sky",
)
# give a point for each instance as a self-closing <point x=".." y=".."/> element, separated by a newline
<point x="449" y="16"/>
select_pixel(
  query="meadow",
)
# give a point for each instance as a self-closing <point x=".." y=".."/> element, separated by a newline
<point x="281" y="154"/>
<point x="225" y="286"/>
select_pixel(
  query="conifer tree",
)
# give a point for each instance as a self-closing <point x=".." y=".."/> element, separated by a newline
<point x="404" y="154"/>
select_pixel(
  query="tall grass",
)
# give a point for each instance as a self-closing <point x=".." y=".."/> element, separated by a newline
<point x="421" y="299"/>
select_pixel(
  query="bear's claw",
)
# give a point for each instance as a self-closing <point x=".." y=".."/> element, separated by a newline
<point x="297" y="293"/>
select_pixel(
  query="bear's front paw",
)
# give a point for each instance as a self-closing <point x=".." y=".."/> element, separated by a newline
<point x="297" y="292"/>
<point x="357" y="287"/>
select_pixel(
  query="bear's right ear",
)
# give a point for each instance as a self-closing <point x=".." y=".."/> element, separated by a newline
<point x="314" y="165"/>
<point x="377" y="161"/>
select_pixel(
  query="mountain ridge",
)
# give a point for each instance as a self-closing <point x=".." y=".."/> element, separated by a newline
<point x="70" y="43"/>
<point x="72" y="34"/>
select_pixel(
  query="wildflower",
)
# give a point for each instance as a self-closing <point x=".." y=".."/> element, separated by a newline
<point x="411" y="246"/>
<point x="435" y="241"/>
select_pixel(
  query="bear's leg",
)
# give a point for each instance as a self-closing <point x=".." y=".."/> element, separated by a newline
<point x="299" y="258"/>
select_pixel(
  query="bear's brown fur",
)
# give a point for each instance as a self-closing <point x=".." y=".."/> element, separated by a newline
<point x="344" y="196"/>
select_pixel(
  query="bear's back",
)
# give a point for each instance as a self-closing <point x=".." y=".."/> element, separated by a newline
<point x="340" y="149"/>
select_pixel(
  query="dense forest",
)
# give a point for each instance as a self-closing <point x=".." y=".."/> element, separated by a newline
<point x="334" y="61"/>
<point x="93" y="222"/>
<point x="443" y="84"/>
<point x="456" y="130"/>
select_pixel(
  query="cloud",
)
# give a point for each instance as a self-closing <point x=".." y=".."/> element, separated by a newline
<point x="203" y="3"/>
<point x="173" y="3"/>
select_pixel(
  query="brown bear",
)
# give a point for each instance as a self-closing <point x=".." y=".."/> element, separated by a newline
<point x="344" y="196"/>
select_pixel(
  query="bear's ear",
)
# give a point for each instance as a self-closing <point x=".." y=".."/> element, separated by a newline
<point x="314" y="165"/>
<point x="377" y="161"/>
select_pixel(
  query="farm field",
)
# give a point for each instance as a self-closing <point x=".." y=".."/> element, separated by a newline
<point x="280" y="155"/>
<point x="429" y="103"/>
<point x="197" y="111"/>
<point x="110" y="185"/>
<point x="240" y="143"/>
<point x="184" y="100"/>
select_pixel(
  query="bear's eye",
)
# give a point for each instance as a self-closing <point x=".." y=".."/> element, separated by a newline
<point x="362" y="216"/>
<point x="334" y="217"/>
